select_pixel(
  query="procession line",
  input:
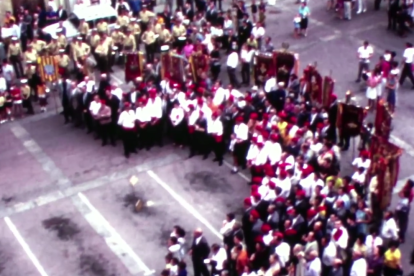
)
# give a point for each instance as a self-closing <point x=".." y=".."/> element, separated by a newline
<point x="187" y="206"/>
<point x="25" y="246"/>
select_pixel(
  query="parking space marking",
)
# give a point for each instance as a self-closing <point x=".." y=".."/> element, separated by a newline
<point x="184" y="204"/>
<point x="112" y="238"/>
<point x="86" y="186"/>
<point x="25" y="246"/>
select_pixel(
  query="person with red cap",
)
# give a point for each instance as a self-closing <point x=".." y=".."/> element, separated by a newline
<point x="215" y="133"/>
<point x="178" y="124"/>
<point x="127" y="120"/>
<point x="240" y="138"/>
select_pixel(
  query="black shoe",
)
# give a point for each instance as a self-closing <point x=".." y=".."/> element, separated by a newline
<point x="126" y="155"/>
<point x="344" y="148"/>
<point x="215" y="159"/>
<point x="191" y="155"/>
<point x="113" y="144"/>
<point x="357" y="80"/>
<point x="104" y="144"/>
<point x="220" y="163"/>
<point x="205" y="157"/>
<point x="243" y="167"/>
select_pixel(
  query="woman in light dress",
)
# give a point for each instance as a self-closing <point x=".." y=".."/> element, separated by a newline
<point x="373" y="84"/>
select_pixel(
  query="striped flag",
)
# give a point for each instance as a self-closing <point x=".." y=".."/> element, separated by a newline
<point x="48" y="68"/>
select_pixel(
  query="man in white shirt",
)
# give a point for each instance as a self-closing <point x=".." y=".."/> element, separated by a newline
<point x="246" y="56"/>
<point x="127" y="122"/>
<point x="313" y="266"/>
<point x="154" y="107"/>
<point x="143" y="119"/>
<point x="329" y="253"/>
<point x="232" y="63"/>
<point x="372" y="241"/>
<point x="215" y="131"/>
<point x="359" y="266"/>
<point x="364" y="53"/>
<point x="3" y="84"/>
<point x="407" y="62"/>
<point x="240" y="144"/>
<point x="282" y="249"/>
<point x="270" y="84"/>
<point x="389" y="230"/>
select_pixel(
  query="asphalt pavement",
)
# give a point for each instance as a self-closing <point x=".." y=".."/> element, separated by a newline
<point x="67" y="205"/>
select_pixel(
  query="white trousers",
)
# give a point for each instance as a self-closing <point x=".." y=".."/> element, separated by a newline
<point x="362" y="6"/>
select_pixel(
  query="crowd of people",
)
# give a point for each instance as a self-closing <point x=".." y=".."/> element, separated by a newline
<point x="303" y="216"/>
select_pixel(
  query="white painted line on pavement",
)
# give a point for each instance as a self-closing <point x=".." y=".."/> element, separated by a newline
<point x="116" y="79"/>
<point x="25" y="246"/>
<point x="114" y="241"/>
<point x="408" y="149"/>
<point x="86" y="186"/>
<point x="185" y="204"/>
<point x="242" y="175"/>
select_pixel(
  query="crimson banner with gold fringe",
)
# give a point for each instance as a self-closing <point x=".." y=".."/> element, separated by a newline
<point x="48" y="68"/>
<point x="172" y="68"/>
<point x="383" y="120"/>
<point x="134" y="66"/>
<point x="385" y="164"/>
<point x="199" y="66"/>
<point x="327" y="91"/>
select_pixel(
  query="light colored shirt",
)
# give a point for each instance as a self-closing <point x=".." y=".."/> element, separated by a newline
<point x="215" y="127"/>
<point x="241" y="131"/>
<point x="329" y="254"/>
<point x="270" y="85"/>
<point x="314" y="268"/>
<point x="247" y="56"/>
<point x="94" y="107"/>
<point x="142" y="114"/>
<point x="365" y="53"/>
<point x="358" y="162"/>
<point x="127" y="119"/>
<point x="359" y="267"/>
<point x="408" y="55"/>
<point x="283" y="251"/>
<point x="389" y="229"/>
<point x="176" y="115"/>
<point x="155" y="107"/>
<point x="220" y="257"/>
<point x="233" y="60"/>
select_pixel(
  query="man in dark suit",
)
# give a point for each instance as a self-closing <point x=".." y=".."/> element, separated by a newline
<point x="62" y="13"/>
<point x="115" y="104"/>
<point x="211" y="14"/>
<point x="277" y="98"/>
<point x="188" y="12"/>
<point x="64" y="89"/>
<point x="104" y="85"/>
<point x="200" y="250"/>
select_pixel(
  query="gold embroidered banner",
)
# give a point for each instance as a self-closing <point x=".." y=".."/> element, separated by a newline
<point x="134" y="66"/>
<point x="385" y="164"/>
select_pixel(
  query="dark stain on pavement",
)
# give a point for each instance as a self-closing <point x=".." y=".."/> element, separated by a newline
<point x="208" y="181"/>
<point x="94" y="265"/>
<point x="64" y="227"/>
<point x="7" y="199"/>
